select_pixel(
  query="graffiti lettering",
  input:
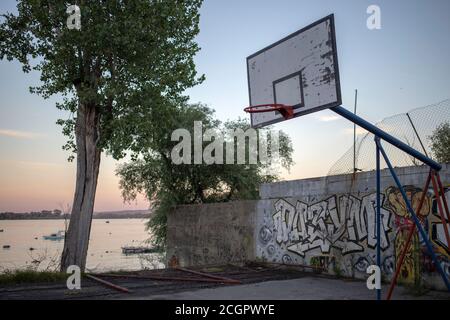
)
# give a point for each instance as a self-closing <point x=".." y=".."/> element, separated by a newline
<point x="338" y="233"/>
<point x="324" y="225"/>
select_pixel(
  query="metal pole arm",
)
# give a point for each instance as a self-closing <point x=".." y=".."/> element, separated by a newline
<point x="386" y="137"/>
<point x="416" y="220"/>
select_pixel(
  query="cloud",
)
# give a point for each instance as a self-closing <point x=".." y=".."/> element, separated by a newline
<point x="20" y="134"/>
<point x="359" y="131"/>
<point x="329" y="118"/>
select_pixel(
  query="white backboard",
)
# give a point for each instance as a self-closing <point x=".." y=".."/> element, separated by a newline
<point x="300" y="70"/>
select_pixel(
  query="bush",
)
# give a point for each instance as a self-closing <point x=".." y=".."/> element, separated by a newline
<point x="440" y="143"/>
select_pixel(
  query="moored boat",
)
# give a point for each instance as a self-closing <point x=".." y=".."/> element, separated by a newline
<point x="55" y="236"/>
<point x="138" y="250"/>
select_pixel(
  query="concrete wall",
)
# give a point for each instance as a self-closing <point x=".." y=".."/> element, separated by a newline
<point x="217" y="233"/>
<point x="330" y="221"/>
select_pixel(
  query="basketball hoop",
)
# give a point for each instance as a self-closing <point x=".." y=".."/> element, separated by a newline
<point x="286" y="111"/>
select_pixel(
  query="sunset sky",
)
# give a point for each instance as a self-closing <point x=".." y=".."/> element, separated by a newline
<point x="400" y="67"/>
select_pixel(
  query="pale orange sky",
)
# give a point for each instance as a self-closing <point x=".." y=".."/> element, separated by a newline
<point x="32" y="185"/>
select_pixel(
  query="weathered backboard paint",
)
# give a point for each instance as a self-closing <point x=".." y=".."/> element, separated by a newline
<point x="300" y="70"/>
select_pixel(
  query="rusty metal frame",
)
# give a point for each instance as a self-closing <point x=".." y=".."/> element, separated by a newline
<point x="438" y="189"/>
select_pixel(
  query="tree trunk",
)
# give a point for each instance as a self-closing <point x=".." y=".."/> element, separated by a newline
<point x="88" y="164"/>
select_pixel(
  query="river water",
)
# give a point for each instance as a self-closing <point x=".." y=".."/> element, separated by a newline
<point x="105" y="253"/>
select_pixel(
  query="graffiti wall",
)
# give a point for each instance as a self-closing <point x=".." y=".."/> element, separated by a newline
<point x="328" y="223"/>
<point x="337" y="231"/>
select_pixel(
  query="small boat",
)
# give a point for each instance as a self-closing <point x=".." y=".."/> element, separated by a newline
<point x="1" y="230"/>
<point x="55" y="236"/>
<point x="6" y="246"/>
<point x="107" y="221"/>
<point x="138" y="250"/>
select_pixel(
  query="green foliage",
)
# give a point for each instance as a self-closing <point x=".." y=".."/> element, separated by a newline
<point x="316" y="264"/>
<point x="131" y="61"/>
<point x="337" y="270"/>
<point x="29" y="276"/>
<point x="167" y="184"/>
<point x="417" y="288"/>
<point x="440" y="143"/>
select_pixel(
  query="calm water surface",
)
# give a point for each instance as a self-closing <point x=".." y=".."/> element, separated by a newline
<point x="105" y="244"/>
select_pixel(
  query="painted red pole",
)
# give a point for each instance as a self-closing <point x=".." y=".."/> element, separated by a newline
<point x="408" y="241"/>
<point x="108" y="284"/>
<point x="169" y="278"/>
<point x="228" y="280"/>
<point x="444" y="199"/>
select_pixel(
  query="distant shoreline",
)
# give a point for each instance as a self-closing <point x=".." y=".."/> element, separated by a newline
<point x="96" y="218"/>
<point x="57" y="215"/>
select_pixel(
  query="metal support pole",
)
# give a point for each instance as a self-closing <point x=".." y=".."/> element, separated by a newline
<point x="417" y="134"/>
<point x="414" y="216"/>
<point x="408" y="241"/>
<point x="387" y="137"/>
<point x="380" y="134"/>
<point x="378" y="218"/>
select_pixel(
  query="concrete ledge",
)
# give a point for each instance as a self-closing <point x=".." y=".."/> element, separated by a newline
<point x="343" y="183"/>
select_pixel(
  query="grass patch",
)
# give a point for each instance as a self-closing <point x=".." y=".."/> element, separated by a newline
<point x="337" y="271"/>
<point x="30" y="276"/>
<point x="416" y="289"/>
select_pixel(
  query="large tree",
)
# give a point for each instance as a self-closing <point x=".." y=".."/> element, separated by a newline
<point x="166" y="183"/>
<point x="119" y="75"/>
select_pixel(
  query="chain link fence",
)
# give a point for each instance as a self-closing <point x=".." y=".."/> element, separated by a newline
<point x="413" y="128"/>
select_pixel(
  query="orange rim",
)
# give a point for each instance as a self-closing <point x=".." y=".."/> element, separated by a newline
<point x="286" y="111"/>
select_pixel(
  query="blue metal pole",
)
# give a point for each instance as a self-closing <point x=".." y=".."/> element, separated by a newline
<point x="385" y="136"/>
<point x="378" y="219"/>
<point x="413" y="215"/>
